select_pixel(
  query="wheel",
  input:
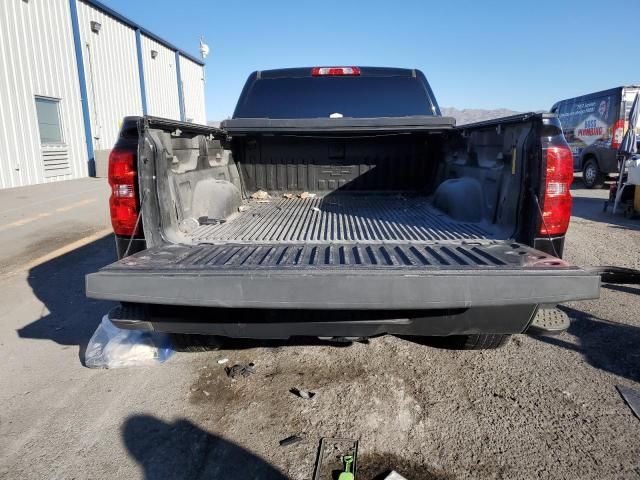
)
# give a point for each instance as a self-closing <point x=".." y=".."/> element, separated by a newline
<point x="487" y="341"/>
<point x="592" y="177"/>
<point x="183" y="342"/>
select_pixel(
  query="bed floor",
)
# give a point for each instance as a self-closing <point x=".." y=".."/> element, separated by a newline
<point x="343" y="218"/>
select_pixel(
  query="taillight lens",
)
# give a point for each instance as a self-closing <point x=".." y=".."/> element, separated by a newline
<point x="335" y="71"/>
<point x="556" y="204"/>
<point x="618" y="134"/>
<point x="123" y="203"/>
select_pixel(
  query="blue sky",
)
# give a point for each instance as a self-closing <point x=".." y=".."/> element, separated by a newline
<point x="476" y="54"/>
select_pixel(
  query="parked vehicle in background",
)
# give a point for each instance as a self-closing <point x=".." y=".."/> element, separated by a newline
<point x="594" y="125"/>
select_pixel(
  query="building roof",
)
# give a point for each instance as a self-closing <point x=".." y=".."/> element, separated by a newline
<point x="109" y="11"/>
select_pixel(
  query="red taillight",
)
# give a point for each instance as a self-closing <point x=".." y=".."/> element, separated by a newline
<point x="123" y="202"/>
<point x="617" y="134"/>
<point x="335" y="71"/>
<point x="556" y="203"/>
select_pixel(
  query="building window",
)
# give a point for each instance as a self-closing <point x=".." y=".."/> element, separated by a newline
<point x="48" y="110"/>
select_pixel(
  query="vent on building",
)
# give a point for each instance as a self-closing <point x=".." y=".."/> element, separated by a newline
<point x="55" y="160"/>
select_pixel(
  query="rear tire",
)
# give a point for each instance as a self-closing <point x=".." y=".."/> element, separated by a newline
<point x="183" y="342"/>
<point x="592" y="177"/>
<point x="488" y="341"/>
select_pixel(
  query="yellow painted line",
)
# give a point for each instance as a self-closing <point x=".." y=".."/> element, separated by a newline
<point x="24" y="221"/>
<point x="66" y="208"/>
<point x="60" y="251"/>
<point x="76" y="205"/>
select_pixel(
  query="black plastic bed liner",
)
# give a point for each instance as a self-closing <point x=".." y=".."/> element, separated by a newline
<point x="350" y="218"/>
<point x="343" y="276"/>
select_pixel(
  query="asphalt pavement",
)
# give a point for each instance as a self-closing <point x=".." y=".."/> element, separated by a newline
<point x="542" y="407"/>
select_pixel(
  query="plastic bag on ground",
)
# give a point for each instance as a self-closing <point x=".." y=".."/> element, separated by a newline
<point x="112" y="347"/>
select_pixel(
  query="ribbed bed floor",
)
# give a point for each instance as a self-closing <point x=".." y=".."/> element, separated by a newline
<point x="362" y="219"/>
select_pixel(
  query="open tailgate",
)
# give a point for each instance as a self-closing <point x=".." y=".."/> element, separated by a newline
<point x="343" y="276"/>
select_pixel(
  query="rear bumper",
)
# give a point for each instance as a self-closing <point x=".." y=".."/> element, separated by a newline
<point x="313" y="289"/>
<point x="266" y="291"/>
<point x="283" y="324"/>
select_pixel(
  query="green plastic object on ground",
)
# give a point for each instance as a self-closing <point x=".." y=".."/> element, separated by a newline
<point x="347" y="474"/>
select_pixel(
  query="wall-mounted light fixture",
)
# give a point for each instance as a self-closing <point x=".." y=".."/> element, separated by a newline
<point x="96" y="27"/>
<point x="154" y="53"/>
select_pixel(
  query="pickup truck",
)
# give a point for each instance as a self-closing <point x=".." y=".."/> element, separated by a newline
<point x="339" y="203"/>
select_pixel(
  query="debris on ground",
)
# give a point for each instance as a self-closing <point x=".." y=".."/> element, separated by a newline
<point x="112" y="347"/>
<point x="304" y="195"/>
<point x="306" y="394"/>
<point x="242" y="208"/>
<point x="260" y="195"/>
<point x="631" y="397"/>
<point x="290" y="440"/>
<point x="240" y="369"/>
<point x="222" y="361"/>
<point x="288" y="196"/>
<point x="315" y="209"/>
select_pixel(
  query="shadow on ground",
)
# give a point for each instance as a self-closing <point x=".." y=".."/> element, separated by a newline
<point x="182" y="450"/>
<point x="608" y="346"/>
<point x="59" y="285"/>
<point x="622" y="288"/>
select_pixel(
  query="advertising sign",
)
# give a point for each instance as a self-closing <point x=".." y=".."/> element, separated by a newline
<point x="590" y="130"/>
<point x="588" y="121"/>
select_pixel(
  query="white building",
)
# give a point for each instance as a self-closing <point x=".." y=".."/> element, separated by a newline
<point x="70" y="70"/>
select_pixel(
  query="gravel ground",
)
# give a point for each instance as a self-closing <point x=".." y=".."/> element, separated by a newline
<point x="539" y="408"/>
<point x="542" y="407"/>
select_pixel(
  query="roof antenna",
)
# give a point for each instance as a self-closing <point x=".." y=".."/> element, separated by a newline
<point x="204" y="48"/>
<point x="204" y="53"/>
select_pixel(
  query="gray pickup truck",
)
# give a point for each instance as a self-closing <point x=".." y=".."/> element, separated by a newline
<point x="338" y="202"/>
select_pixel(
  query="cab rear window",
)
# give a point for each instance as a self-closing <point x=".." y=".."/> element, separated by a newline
<point x="321" y="97"/>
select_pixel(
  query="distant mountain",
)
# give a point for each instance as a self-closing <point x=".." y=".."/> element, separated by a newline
<point x="471" y="115"/>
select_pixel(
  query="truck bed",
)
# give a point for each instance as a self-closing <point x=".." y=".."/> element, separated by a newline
<point x="366" y="219"/>
<point x="422" y="221"/>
